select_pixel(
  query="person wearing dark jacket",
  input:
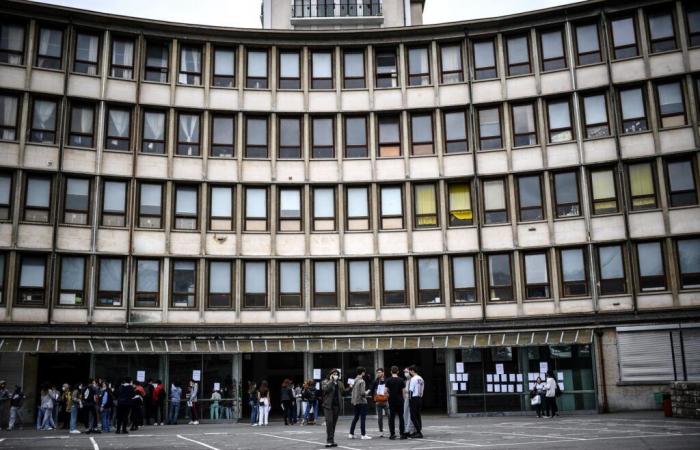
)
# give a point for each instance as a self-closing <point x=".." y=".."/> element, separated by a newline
<point x="125" y="397"/>
<point x="148" y="407"/>
<point x="287" y="398"/>
<point x="332" y="399"/>
<point x="91" y="403"/>
<point x="137" y="407"/>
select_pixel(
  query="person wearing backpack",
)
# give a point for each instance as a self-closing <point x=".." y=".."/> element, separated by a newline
<point x="91" y="401"/>
<point x="380" y="400"/>
<point x="551" y="388"/>
<point x="125" y="398"/>
<point x="16" y="402"/>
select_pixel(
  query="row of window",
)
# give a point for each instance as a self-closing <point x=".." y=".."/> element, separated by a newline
<point x="465" y="277"/>
<point x="523" y="118"/>
<point x="551" y="41"/>
<point x="605" y="191"/>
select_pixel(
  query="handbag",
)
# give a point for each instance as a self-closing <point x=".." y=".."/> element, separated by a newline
<point x="536" y="400"/>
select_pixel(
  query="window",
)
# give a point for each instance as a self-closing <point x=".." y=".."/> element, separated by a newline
<point x="573" y="272"/>
<point x="536" y="275"/>
<point x="150" y="205"/>
<point x="671" y="105"/>
<point x="290" y="209"/>
<point x="157" y="59"/>
<point x="256" y="137"/>
<point x="220" y="292"/>
<point x="82" y="125"/>
<point x="518" y="55"/>
<point x="9" y="113"/>
<point x="451" y="63"/>
<point x="186" y="207"/>
<point x="642" y="188"/>
<point x="662" y="35"/>
<point x="32" y="280"/>
<point x="257" y="69"/>
<point x="495" y="209"/>
<point x="530" y="198"/>
<point x="76" y="201"/>
<point x="153" y="132"/>
<point x="49" y="50"/>
<point x="184" y="284"/>
<point x="681" y="182"/>
<point x="12" y="43"/>
<point x="188" y="134"/>
<point x="524" y="128"/>
<point x="459" y="204"/>
<point x="72" y="288"/>
<point x="689" y="262"/>
<point x="224" y="67"/>
<point x="559" y="120"/>
<point x="114" y="203"/>
<point x="290" y="69"/>
<point x="422" y="134"/>
<point x="652" y="272"/>
<point x="418" y="66"/>
<point x="122" y="58"/>
<point x="611" y="270"/>
<point x="190" y="65"/>
<point x="223" y="136"/>
<point x="595" y="113"/>
<point x="221" y="208"/>
<point x="357" y="208"/>
<point x="255" y="284"/>
<point x="110" y="281"/>
<point x="389" y="136"/>
<point x="255" y="209"/>
<point x="463" y="279"/>
<point x="425" y="206"/>
<point x="356" y="137"/>
<point x="321" y="69"/>
<point x="289" y="137"/>
<point x="37" y="201"/>
<point x="552" y="47"/>
<point x="603" y="188"/>
<point x="500" y="279"/>
<point x="354" y="69"/>
<point x="387" y="75"/>
<point x="391" y="207"/>
<point x="624" y="38"/>
<point x="147" y="283"/>
<point x="566" y="195"/>
<point x="322" y="136"/>
<point x="6" y="196"/>
<point x="325" y="295"/>
<point x="290" y="280"/>
<point x="324" y="209"/>
<point x="489" y="128"/>
<point x="693" y="19"/>
<point x="633" y="110"/>
<point x="429" y="291"/>
<point x="485" y="60"/>
<point x="87" y="48"/>
<point x="588" y="44"/>
<point x="118" y="135"/>
<point x="43" y="129"/>
<point x="359" y="283"/>
<point x="455" y="131"/>
<point x="393" y="282"/>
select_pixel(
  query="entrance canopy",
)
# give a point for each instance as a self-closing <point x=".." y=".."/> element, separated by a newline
<point x="32" y="344"/>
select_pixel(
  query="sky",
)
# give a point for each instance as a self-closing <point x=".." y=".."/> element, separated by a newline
<point x="246" y="13"/>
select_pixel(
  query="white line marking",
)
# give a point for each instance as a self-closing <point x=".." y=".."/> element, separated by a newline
<point x="462" y="444"/>
<point x="2" y="439"/>
<point x="94" y="443"/>
<point x="196" y="442"/>
<point x="527" y="435"/>
<point x="303" y="440"/>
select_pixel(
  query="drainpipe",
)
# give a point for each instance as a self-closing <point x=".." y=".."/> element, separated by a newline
<point x="603" y="384"/>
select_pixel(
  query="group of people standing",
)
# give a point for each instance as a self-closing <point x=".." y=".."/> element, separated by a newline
<point x="299" y="402"/>
<point x="543" y="396"/>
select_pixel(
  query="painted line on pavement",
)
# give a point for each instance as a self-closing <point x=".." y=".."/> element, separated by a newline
<point x="462" y="444"/>
<point x="304" y="440"/>
<point x="94" y="443"/>
<point x="196" y="442"/>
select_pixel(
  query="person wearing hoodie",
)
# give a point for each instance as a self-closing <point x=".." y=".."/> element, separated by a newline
<point x="125" y="398"/>
<point x="16" y="402"/>
<point x="45" y="417"/>
<point x="214" y="405"/>
<point x="359" y="403"/>
<point x="192" y="403"/>
<point x="175" y="396"/>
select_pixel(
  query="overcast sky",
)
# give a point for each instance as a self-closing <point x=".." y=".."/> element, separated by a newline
<point x="246" y="13"/>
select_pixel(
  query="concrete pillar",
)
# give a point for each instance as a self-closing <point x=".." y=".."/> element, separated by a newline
<point x="449" y="364"/>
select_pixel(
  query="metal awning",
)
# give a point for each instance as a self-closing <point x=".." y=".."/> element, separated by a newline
<point x="12" y="344"/>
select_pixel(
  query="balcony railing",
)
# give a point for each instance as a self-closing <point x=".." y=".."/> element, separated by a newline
<point x="304" y="9"/>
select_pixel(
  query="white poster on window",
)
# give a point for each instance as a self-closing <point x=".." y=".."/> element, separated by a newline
<point x="544" y="367"/>
<point x="496" y="388"/>
<point x="489" y="378"/>
<point x="460" y="367"/>
<point x="560" y="376"/>
<point x="511" y="377"/>
<point x="489" y="388"/>
<point x="317" y="374"/>
<point x="511" y="388"/>
<point x="561" y="386"/>
<point x="318" y="385"/>
<point x="453" y="377"/>
<point x="217" y="386"/>
<point x="519" y="377"/>
<point x="197" y="375"/>
<point x="519" y="388"/>
<point x="455" y="386"/>
<point x="141" y="376"/>
<point x="462" y="386"/>
<point x="499" y="369"/>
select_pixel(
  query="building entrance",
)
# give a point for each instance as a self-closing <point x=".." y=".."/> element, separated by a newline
<point x="431" y="366"/>
<point x="273" y="368"/>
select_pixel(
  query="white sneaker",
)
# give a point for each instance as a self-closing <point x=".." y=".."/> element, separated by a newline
<point x="254" y="425"/>
<point x="365" y="437"/>
<point x="74" y="432"/>
<point x="381" y="435"/>
<point x="190" y="423"/>
<point x="162" y="424"/>
<point x="196" y="422"/>
<point x="351" y="436"/>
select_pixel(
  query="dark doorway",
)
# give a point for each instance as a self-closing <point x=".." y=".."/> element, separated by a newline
<point x="431" y="366"/>
<point x="64" y="368"/>
<point x="273" y="368"/>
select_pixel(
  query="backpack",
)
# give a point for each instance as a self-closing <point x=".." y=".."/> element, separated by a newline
<point x="557" y="391"/>
<point x="381" y="398"/>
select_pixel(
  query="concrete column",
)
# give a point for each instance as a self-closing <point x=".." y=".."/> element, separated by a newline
<point x="451" y="400"/>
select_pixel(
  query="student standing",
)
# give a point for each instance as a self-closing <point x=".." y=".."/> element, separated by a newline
<point x="415" y="391"/>
<point x="332" y="398"/>
<point x="253" y="402"/>
<point x="76" y="405"/>
<point x="287" y="399"/>
<point x="551" y="395"/>
<point x="125" y="398"/>
<point x="214" y="406"/>
<point x="264" y="404"/>
<point x="395" y="389"/>
<point x="106" y="403"/>
<point x="192" y="402"/>
<point x="410" y="429"/>
<point x="16" y="402"/>
<point x="359" y="403"/>
<point x="537" y="396"/>
<point x="175" y="396"/>
<point x="380" y="400"/>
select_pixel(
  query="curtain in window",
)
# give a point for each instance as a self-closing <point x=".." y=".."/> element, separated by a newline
<point x="81" y="120"/>
<point x="460" y="201"/>
<point x="573" y="265"/>
<point x="154" y="126"/>
<point x="148" y="273"/>
<point x="324" y="276"/>
<point x="425" y="205"/>
<point x="221" y="202"/>
<point x="256" y="203"/>
<point x="115" y="196"/>
<point x="190" y="60"/>
<point x="189" y="128"/>
<point x="393" y="275"/>
<point x="8" y="110"/>
<point x="536" y="268"/>
<point x="323" y="202"/>
<point x="118" y="124"/>
<point x="451" y="58"/>
<point x="610" y="262"/>
<point x="494" y="195"/>
<point x="72" y="270"/>
<point x="641" y="180"/>
<point x="86" y="47"/>
<point x="38" y="193"/>
<point x="32" y="274"/>
<point x="603" y="184"/>
<point x="12" y="37"/>
<point x="359" y="276"/>
<point x="290" y="203"/>
<point x="44" y="115"/>
<point x="428" y="273"/>
<point x="290" y="277"/>
<point x="110" y="274"/>
<point x="463" y="272"/>
<point x="357" y="202"/>
<point x="186" y="201"/>
<point x="50" y="42"/>
<point x="224" y="62"/>
<point x="220" y="277"/>
<point x="123" y="53"/>
<point x="418" y="60"/>
<point x="255" y="278"/>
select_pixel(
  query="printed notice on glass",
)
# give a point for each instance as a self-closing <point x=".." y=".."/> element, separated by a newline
<point x="141" y="376"/>
<point x="453" y="377"/>
<point x="196" y="375"/>
<point x="489" y="388"/>
<point x="499" y="369"/>
<point x="460" y="367"/>
<point x="462" y="386"/>
<point x="317" y="374"/>
<point x="489" y="378"/>
<point x="511" y="378"/>
<point x="560" y="376"/>
<point x="455" y="386"/>
<point x="511" y="388"/>
<point x="217" y="386"/>
<point x="519" y="377"/>
<point x="496" y="388"/>
<point x="544" y="367"/>
<point x="519" y="388"/>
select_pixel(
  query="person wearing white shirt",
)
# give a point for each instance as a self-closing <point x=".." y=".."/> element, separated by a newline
<point x="550" y="396"/>
<point x="415" y="401"/>
<point x="538" y="396"/>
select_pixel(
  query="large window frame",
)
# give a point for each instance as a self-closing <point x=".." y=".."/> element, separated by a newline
<point x="595" y="121"/>
<point x="252" y="220"/>
<point x="463" y="280"/>
<point x="14" y="52"/>
<point x="184" y="291"/>
<point x="190" y="67"/>
<point x="108" y="295"/>
<point x="324" y="218"/>
<point x="422" y="135"/>
<point x="425" y="205"/>
<point x="41" y="211"/>
<point x="536" y="282"/>
<point x="357" y="219"/>
<point x="616" y="282"/>
<point x="352" y="79"/>
<point x="681" y="183"/>
<point x="489" y="139"/>
<point x="553" y="61"/>
<point x="156" y="68"/>
<point x="184" y="218"/>
<point x="524" y="124"/>
<point x="87" y="64"/>
<point x="225" y="78"/>
<point x="220" y="294"/>
<point x="390" y="219"/>
<point x="626" y="48"/>
<point x="323" y="298"/>
<point x="290" y="297"/>
<point x="451" y="74"/>
<point x="530" y="205"/>
<point x="71" y="292"/>
<point x="359" y="296"/>
<point x="9" y="123"/>
<point x="566" y="204"/>
<point x="76" y="211"/>
<point x="391" y="296"/>
<point x="588" y="52"/>
<point x="663" y="42"/>
<point x="652" y="275"/>
<point x="559" y="122"/>
<point x="289" y="78"/>
<point x="518" y="66"/>
<point x="257" y="80"/>
<point x="460" y="205"/>
<point x="429" y="289"/>
<point x="81" y="132"/>
<point x="122" y="53"/>
<point x="114" y="216"/>
<point x="147" y="218"/>
<point x="389" y="142"/>
<point x="290" y="218"/>
<point x="254" y="145"/>
<point x="256" y="297"/>
<point x="417" y="75"/>
<point x="321" y="148"/>
<point x="454" y="131"/>
<point x="688" y="278"/>
<point x="7" y="195"/>
<point x="500" y="290"/>
<point x="574" y="281"/>
<point x="153" y="140"/>
<point x="386" y="75"/>
<point x="222" y="148"/>
<point x="486" y="69"/>
<point x="118" y="136"/>
<point x="29" y="291"/>
<point x="44" y="130"/>
<point x="601" y="200"/>
<point x="321" y="81"/>
<point x="144" y="296"/>
<point x="641" y="185"/>
<point x="222" y="218"/>
<point x="496" y="212"/>
<point x="289" y="142"/>
<point x="356" y="140"/>
<point x="671" y="114"/>
<point x="189" y="135"/>
<point x="49" y="51"/>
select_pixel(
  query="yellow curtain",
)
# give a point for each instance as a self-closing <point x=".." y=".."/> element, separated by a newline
<point x="426" y="210"/>
<point x="603" y="183"/>
<point x="460" y="201"/>
<point x="641" y="180"/>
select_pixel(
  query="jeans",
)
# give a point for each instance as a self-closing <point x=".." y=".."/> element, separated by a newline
<point x="254" y="410"/>
<point x="74" y="417"/>
<point x="307" y="410"/>
<point x="47" y="423"/>
<point x="214" y="411"/>
<point x="382" y="410"/>
<point x="174" y="412"/>
<point x="228" y="412"/>
<point x="396" y="409"/>
<point x="14" y="415"/>
<point x="360" y="413"/>
<point x="331" y="420"/>
<point x="194" y="413"/>
<point x="105" y="416"/>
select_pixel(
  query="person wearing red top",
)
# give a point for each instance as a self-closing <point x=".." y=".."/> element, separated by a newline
<point x="158" y="400"/>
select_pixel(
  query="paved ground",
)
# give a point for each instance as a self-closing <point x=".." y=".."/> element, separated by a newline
<point x="612" y="431"/>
